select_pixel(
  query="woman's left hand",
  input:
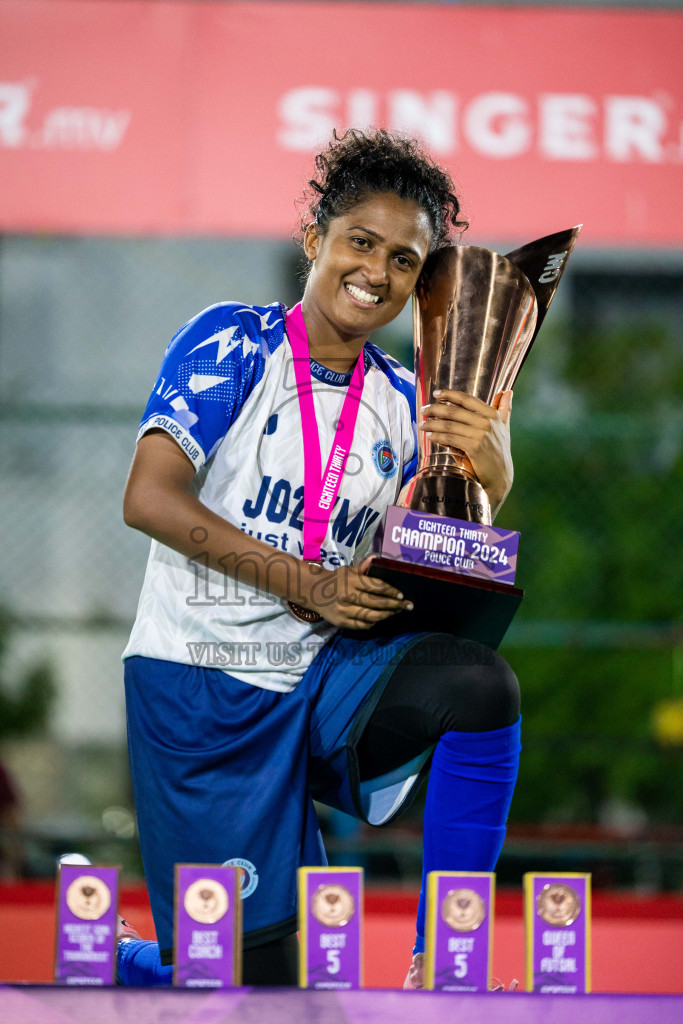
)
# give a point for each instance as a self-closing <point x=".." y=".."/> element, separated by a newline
<point x="481" y="431"/>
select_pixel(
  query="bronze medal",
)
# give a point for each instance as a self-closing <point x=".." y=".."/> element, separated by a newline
<point x="206" y="901"/>
<point x="304" y="614"/>
<point x="333" y="906"/>
<point x="463" y="910"/>
<point x="558" y="905"/>
<point x="88" y="897"/>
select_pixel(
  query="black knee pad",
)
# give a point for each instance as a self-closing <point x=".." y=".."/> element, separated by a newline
<point x="444" y="684"/>
<point x="473" y="686"/>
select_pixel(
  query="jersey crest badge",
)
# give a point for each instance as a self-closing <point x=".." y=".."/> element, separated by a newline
<point x="249" y="875"/>
<point x="385" y="459"/>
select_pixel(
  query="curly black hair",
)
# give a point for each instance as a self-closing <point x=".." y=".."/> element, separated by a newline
<point x="358" y="163"/>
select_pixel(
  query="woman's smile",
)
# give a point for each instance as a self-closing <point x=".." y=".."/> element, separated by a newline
<point x="362" y="297"/>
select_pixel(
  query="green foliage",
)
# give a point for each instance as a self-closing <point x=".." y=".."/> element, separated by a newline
<point x="24" y="708"/>
<point x="587" y="734"/>
<point x="598" y="498"/>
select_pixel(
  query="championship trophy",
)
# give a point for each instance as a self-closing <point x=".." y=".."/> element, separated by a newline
<point x="475" y="316"/>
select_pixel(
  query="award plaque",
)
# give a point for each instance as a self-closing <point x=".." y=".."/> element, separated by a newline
<point x="475" y="316"/>
<point x="557" y="919"/>
<point x="459" y="931"/>
<point x="87" y="901"/>
<point x="330" y="927"/>
<point x="208" y="926"/>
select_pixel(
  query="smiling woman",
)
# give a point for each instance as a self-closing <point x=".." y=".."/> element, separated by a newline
<point x="271" y="445"/>
<point x="363" y="271"/>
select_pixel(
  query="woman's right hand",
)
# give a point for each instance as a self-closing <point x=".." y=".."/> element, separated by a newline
<point x="160" y="502"/>
<point x="348" y="598"/>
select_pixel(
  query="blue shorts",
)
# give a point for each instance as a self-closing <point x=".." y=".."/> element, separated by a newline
<point x="226" y="771"/>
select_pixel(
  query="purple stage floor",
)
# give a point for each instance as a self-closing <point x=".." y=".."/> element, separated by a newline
<point x="47" y="1004"/>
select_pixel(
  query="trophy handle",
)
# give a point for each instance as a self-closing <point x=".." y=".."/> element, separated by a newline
<point x="543" y="263"/>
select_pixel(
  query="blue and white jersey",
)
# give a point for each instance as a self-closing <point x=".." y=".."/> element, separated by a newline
<point x="226" y="392"/>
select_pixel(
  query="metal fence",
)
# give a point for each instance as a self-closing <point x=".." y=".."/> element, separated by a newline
<point x="598" y="498"/>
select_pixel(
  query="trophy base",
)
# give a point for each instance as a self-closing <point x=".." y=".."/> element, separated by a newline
<point x="445" y="602"/>
<point x="447" y="494"/>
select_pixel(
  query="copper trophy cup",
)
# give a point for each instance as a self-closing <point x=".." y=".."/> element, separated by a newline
<point x="476" y="315"/>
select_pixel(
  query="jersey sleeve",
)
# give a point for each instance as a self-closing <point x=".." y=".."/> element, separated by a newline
<point x="403" y="381"/>
<point x="406" y="385"/>
<point x="210" y="367"/>
<point x="410" y="461"/>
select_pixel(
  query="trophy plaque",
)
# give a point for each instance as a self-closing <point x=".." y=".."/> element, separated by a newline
<point x="459" y="931"/>
<point x="87" y="901"/>
<point x="330" y="927"/>
<point x="475" y="316"/>
<point x="208" y="926"/>
<point x="557" y="919"/>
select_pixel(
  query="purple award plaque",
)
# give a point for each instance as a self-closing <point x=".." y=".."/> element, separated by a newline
<point x="208" y="926"/>
<point x="453" y="545"/>
<point x="330" y="926"/>
<point x="557" y="912"/>
<point x="87" y="901"/>
<point x="459" y="935"/>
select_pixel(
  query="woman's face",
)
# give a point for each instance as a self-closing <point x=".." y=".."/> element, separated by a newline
<point x="365" y="267"/>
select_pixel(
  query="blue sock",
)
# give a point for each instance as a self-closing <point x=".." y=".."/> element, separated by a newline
<point x="470" y="789"/>
<point x="138" y="963"/>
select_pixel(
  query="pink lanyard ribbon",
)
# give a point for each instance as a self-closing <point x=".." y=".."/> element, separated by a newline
<point x="320" y="491"/>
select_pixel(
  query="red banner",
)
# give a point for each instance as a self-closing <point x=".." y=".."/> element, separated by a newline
<point x="202" y="118"/>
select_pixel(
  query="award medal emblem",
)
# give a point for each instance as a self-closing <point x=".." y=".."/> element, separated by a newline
<point x="463" y="910"/>
<point x="88" y="897"/>
<point x="333" y="906"/>
<point x="304" y="614"/>
<point x="559" y="905"/>
<point x="320" y="490"/>
<point x="206" y="901"/>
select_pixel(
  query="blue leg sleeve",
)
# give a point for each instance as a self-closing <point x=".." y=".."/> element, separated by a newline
<point x="138" y="963"/>
<point x="470" y="789"/>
